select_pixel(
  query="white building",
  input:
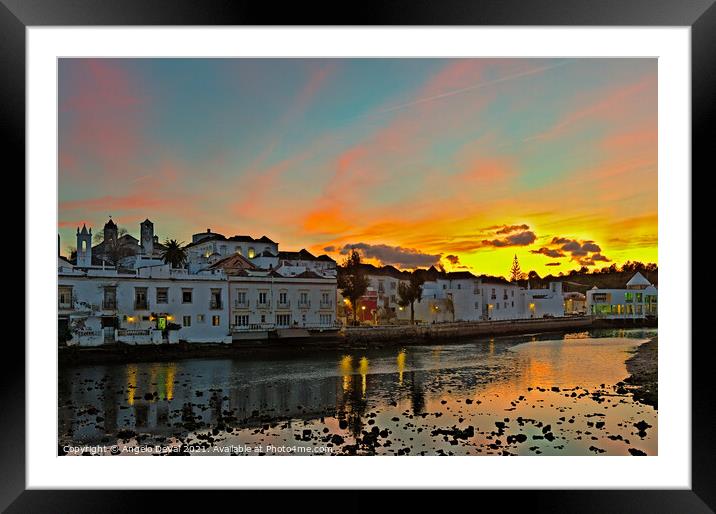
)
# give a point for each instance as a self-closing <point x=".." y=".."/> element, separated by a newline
<point x="462" y="296"/>
<point x="142" y="306"/>
<point x="637" y="300"/>
<point x="215" y="300"/>
<point x="264" y="300"/>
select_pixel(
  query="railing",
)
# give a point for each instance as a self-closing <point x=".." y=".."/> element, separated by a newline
<point x="326" y="305"/>
<point x="253" y="327"/>
<point x="263" y="305"/>
<point x="283" y="305"/>
<point x="132" y="332"/>
<point x="304" y="305"/>
<point x="87" y="333"/>
<point x="241" y="305"/>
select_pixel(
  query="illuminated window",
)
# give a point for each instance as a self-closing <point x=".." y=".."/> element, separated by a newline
<point x="216" y="320"/>
<point x="629" y="297"/>
<point x="200" y="318"/>
<point x="252" y="253"/>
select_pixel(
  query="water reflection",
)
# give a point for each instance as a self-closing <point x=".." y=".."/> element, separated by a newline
<point x="425" y="387"/>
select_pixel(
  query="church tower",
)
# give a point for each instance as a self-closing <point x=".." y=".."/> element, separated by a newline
<point x="84" y="247"/>
<point x="146" y="231"/>
<point x="110" y="231"/>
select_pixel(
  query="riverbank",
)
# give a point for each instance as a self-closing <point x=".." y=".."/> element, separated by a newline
<point x="643" y="373"/>
<point x="347" y="339"/>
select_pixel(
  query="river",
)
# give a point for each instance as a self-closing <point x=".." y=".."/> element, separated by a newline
<point x="548" y="394"/>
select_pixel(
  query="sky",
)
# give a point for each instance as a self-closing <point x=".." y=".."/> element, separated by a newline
<point x="412" y="162"/>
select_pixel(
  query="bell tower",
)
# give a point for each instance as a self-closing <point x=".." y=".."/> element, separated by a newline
<point x="84" y="247"/>
<point x="146" y="231"/>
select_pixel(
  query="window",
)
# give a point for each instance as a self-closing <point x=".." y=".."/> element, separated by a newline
<point x="477" y="305"/>
<point x="200" y="318"/>
<point x="497" y="305"/>
<point x="283" y="320"/>
<point x="326" y="319"/>
<point x="505" y="305"/>
<point x="216" y="320"/>
<point x="186" y="321"/>
<point x="241" y="320"/>
<point x="392" y="285"/>
<point x="241" y="299"/>
<point x="599" y="297"/>
<point x="283" y="298"/>
<point x="263" y="297"/>
<point x="186" y="296"/>
<point x="252" y="253"/>
<point x="64" y="297"/>
<point x="444" y="286"/>
<point x="215" y="302"/>
<point x="493" y="295"/>
<point x="303" y="299"/>
<point x="110" y="298"/>
<point x="140" y="298"/>
<point x="263" y="318"/>
<point x="459" y="286"/>
<point x="639" y="297"/>
<point x="162" y="295"/>
<point x="513" y="303"/>
<point x="380" y="286"/>
<point x="629" y="297"/>
<point x="513" y="293"/>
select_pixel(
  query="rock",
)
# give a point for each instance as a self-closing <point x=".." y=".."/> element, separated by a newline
<point x="636" y="453"/>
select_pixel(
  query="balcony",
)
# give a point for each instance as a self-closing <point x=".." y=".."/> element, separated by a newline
<point x="326" y="305"/>
<point x="241" y="305"/>
<point x="283" y="305"/>
<point x="493" y="297"/>
<point x="305" y="304"/>
<point x="263" y="305"/>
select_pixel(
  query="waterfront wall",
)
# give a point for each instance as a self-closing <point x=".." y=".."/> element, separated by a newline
<point x="416" y="333"/>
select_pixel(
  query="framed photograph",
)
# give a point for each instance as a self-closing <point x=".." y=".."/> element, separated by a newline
<point x="433" y="234"/>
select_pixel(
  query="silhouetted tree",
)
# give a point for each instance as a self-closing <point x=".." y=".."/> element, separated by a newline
<point x="174" y="253"/>
<point x="515" y="271"/>
<point x="410" y="293"/>
<point x="352" y="281"/>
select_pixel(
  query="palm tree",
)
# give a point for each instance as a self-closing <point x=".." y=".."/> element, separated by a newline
<point x="173" y="253"/>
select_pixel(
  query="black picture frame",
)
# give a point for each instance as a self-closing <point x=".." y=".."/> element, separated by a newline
<point x="700" y="15"/>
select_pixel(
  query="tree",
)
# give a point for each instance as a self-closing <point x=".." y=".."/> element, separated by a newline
<point x="173" y="253"/>
<point x="352" y="281"/>
<point x="410" y="293"/>
<point x="515" y="271"/>
<point x="115" y="250"/>
<point x="450" y="306"/>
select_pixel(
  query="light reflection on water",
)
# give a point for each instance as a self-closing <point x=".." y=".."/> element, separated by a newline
<point x="271" y="399"/>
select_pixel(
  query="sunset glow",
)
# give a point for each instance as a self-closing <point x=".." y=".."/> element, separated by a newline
<point x="413" y="162"/>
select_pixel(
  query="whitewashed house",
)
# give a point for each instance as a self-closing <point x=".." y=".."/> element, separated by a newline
<point x="143" y="306"/>
<point x="637" y="300"/>
<point x="143" y="301"/>
<point x="543" y="303"/>
<point x="264" y="301"/>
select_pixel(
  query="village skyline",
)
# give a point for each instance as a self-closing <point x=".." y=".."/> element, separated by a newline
<point x="454" y="162"/>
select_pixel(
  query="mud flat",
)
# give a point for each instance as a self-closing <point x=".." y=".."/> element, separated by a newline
<point x="643" y="373"/>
